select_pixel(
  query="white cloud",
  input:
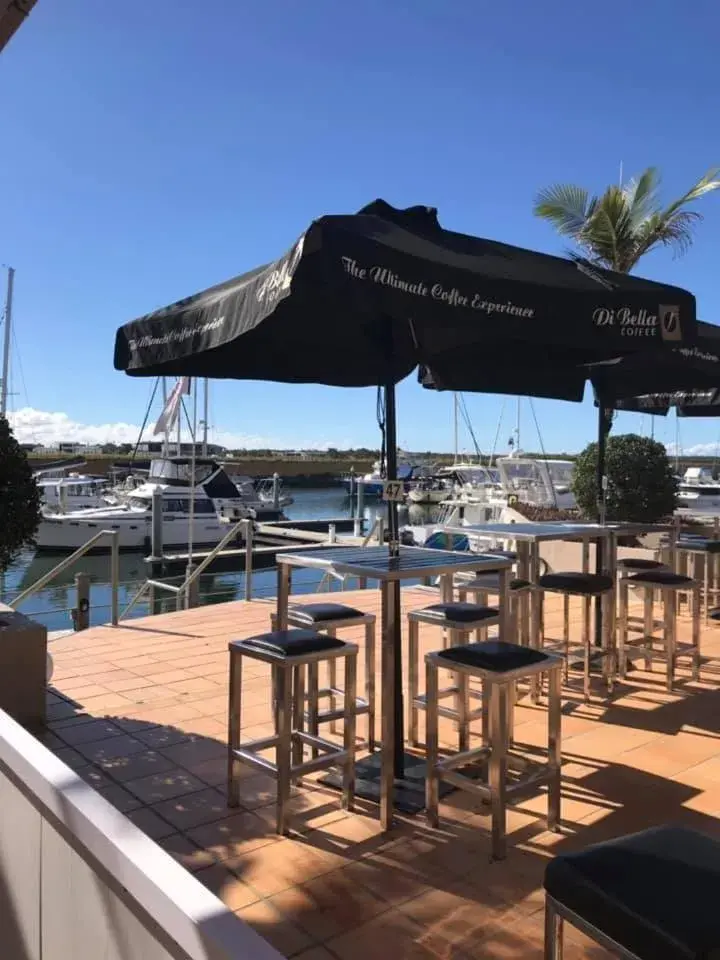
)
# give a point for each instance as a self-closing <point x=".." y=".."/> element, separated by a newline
<point x="48" y="428"/>
<point x="697" y="450"/>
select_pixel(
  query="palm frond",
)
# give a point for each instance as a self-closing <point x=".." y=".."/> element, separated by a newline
<point x="641" y="195"/>
<point x="675" y="231"/>
<point x="566" y="206"/>
<point x="706" y="184"/>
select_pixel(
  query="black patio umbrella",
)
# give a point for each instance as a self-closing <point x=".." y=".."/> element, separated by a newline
<point x="685" y="377"/>
<point x="362" y="299"/>
<point x="687" y="403"/>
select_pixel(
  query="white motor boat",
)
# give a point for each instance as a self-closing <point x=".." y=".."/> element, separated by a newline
<point x="266" y="496"/>
<point x="73" y="492"/>
<point x="430" y="490"/>
<point x="409" y="469"/>
<point x="699" y="492"/>
<point x="541" y="482"/>
<point x="210" y="491"/>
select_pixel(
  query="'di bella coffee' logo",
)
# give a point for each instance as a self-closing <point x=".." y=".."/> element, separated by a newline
<point x="641" y="323"/>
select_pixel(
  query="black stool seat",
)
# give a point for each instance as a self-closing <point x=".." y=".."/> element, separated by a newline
<point x="639" y="563"/>
<point x="494" y="655"/>
<point x="655" y="893"/>
<point x="663" y="578"/>
<point x="322" y="612"/>
<point x="460" y="612"/>
<point x="291" y="643"/>
<point x="583" y="583"/>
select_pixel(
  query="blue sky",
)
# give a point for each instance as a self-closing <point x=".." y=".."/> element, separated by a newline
<point x="153" y="149"/>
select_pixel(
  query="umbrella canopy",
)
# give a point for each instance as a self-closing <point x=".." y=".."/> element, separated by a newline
<point x="687" y="403"/>
<point x="678" y="371"/>
<point x="362" y="299"/>
<point x="687" y="378"/>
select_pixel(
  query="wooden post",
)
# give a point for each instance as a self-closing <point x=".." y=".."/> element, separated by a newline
<point x="248" y="559"/>
<point x="81" y="613"/>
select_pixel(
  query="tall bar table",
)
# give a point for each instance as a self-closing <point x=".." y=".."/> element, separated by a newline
<point x="392" y="777"/>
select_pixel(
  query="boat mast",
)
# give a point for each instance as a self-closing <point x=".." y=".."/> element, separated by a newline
<point x="455" y="426"/>
<point x="206" y="407"/>
<point x="517" y="427"/>
<point x="6" y="344"/>
<point x="166" y="435"/>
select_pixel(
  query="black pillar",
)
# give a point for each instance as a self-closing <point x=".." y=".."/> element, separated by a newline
<point x="394" y="586"/>
<point x="604" y="424"/>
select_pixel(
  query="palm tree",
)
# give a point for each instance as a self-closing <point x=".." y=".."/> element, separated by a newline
<point x="616" y="229"/>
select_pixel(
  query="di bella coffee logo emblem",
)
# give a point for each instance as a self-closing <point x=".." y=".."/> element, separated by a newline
<point x="669" y="322"/>
<point x="641" y="323"/>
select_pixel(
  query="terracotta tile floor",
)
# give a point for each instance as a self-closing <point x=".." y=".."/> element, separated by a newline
<point x="140" y="713"/>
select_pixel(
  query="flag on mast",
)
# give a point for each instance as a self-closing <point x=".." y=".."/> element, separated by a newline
<point x="168" y="418"/>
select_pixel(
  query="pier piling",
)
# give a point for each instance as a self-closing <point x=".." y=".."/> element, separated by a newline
<point x="81" y="613"/>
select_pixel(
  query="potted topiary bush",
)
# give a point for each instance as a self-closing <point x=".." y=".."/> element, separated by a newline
<point x="641" y="485"/>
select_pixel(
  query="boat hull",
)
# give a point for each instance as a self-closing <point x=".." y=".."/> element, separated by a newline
<point x="65" y="534"/>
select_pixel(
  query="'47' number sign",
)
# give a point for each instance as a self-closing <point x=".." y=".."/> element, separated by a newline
<point x="393" y="490"/>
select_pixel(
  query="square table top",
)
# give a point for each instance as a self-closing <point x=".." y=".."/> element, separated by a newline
<point x="376" y="563"/>
<point x="535" y="532"/>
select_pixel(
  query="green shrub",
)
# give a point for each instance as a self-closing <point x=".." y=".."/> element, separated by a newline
<point x="641" y="484"/>
<point x="19" y="498"/>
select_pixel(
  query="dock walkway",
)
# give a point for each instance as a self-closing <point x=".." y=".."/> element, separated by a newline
<point x="140" y="712"/>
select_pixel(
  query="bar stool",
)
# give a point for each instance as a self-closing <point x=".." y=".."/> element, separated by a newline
<point x="289" y="653"/>
<point x="697" y="558"/>
<point x="331" y="617"/>
<point x="586" y="586"/>
<point x="625" y="568"/>
<point x="459" y="620"/>
<point x="480" y="586"/>
<point x="649" y="894"/>
<point x="669" y="585"/>
<point x="499" y="665"/>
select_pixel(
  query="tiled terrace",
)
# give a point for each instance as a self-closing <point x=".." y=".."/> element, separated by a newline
<point x="140" y="712"/>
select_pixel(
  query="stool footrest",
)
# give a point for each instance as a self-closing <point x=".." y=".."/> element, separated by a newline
<point x="253" y="760"/>
<point x="326" y="716"/>
<point x="319" y="763"/>
<point x="421" y="699"/>
<point x="332" y="755"/>
<point x="463" y="759"/>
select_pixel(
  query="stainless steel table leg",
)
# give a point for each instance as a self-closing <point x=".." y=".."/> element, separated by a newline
<point x="283" y="594"/>
<point x="234" y="728"/>
<point x="497" y="768"/>
<point x="554" y="751"/>
<point x="524" y="600"/>
<point x="387" y="686"/>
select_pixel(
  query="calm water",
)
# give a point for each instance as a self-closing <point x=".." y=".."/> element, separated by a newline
<point x="52" y="605"/>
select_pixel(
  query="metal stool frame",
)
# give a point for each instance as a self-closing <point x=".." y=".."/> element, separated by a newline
<point x="364" y="705"/>
<point x="647" y="648"/>
<point x="458" y="632"/>
<point x="607" y="599"/>
<point x="290" y="738"/>
<point x="555" y="915"/>
<point x="496" y="751"/>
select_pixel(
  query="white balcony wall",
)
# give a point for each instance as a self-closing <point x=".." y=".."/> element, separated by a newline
<point x="78" y="880"/>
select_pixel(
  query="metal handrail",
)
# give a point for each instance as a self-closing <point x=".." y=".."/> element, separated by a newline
<point x="246" y="523"/>
<point x="61" y="567"/>
<point x="181" y="592"/>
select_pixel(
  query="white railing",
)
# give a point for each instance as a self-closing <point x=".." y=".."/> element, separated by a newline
<point x="78" y="880"/>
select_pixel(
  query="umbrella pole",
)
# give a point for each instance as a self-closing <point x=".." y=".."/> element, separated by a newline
<point x="394" y="585"/>
<point x="601" y="482"/>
